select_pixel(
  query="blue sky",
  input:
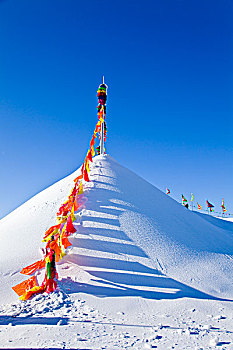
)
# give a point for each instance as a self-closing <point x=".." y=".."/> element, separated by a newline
<point x="169" y="68"/>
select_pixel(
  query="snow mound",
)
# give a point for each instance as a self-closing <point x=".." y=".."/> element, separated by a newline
<point x="132" y="240"/>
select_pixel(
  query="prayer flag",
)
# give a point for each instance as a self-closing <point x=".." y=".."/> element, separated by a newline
<point x="28" y="270"/>
<point x="86" y="178"/>
<point x="223" y="206"/>
<point x="69" y="226"/>
<point x="24" y="286"/>
<point x="209" y="205"/>
<point x="78" y="178"/>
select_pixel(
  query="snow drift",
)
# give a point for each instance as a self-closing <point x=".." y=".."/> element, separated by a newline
<point x="131" y="240"/>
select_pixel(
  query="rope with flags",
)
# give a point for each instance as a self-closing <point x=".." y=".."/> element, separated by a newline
<point x="57" y="236"/>
<point x="199" y="207"/>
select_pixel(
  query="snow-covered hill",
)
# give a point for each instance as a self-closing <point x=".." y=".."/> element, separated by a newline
<point x="136" y="251"/>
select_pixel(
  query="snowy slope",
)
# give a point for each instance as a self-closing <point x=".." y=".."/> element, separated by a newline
<point x="133" y="245"/>
<point x="126" y="220"/>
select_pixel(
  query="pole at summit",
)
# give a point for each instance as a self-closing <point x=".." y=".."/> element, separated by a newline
<point x="102" y="96"/>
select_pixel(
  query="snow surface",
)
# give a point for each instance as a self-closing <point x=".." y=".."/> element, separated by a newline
<point x="142" y="272"/>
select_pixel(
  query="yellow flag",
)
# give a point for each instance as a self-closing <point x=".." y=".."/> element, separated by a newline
<point x="73" y="218"/>
<point x="80" y="191"/>
<point x="49" y="237"/>
<point x="92" y="151"/>
<point x="87" y="165"/>
<point x="62" y="253"/>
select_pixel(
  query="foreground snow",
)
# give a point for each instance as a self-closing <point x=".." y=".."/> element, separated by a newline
<point x="67" y="321"/>
<point x="143" y="271"/>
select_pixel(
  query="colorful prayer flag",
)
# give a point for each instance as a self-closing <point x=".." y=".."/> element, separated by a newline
<point x="184" y="200"/>
<point x="29" y="270"/>
<point x="168" y="191"/>
<point x="198" y="206"/>
<point x="223" y="206"/>
<point x="69" y="226"/>
<point x="24" y="286"/>
<point x="191" y="197"/>
<point x="209" y="205"/>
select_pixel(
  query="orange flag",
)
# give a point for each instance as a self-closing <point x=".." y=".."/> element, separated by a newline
<point x="65" y="242"/>
<point x="78" y="178"/>
<point x="51" y="230"/>
<point x="24" y="286"/>
<point x="54" y="246"/>
<point x="92" y="151"/>
<point x="33" y="267"/>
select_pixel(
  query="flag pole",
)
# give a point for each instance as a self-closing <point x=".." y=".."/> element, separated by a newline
<point x="102" y="131"/>
<point x="102" y="137"/>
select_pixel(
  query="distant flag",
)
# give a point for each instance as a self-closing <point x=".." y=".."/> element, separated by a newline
<point x="223" y="206"/>
<point x="198" y="206"/>
<point x="168" y="191"/>
<point x="210" y="206"/>
<point x="191" y="197"/>
<point x="184" y="200"/>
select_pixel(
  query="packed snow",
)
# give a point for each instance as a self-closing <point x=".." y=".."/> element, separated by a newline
<point x="143" y="272"/>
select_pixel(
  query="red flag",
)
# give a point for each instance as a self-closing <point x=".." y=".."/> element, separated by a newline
<point x="65" y="242"/>
<point x="89" y="156"/>
<point x="75" y="203"/>
<point x="86" y="178"/>
<point x="92" y="140"/>
<point x="82" y="169"/>
<point x="168" y="191"/>
<point x="69" y="226"/>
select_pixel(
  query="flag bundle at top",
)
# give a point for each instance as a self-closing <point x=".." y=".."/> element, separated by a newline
<point x="101" y="108"/>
